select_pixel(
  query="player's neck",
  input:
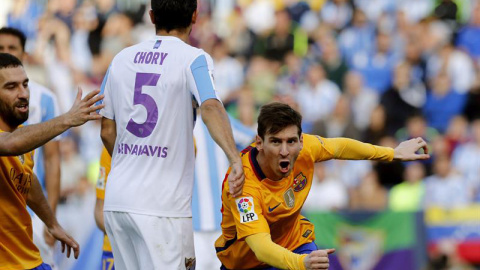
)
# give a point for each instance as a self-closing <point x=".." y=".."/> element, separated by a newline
<point x="182" y="34"/>
<point x="6" y="127"/>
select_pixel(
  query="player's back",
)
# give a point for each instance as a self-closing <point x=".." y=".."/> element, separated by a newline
<point x="151" y="86"/>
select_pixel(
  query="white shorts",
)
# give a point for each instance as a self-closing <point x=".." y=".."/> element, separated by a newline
<point x="46" y="251"/>
<point x="148" y="242"/>
<point x="205" y="250"/>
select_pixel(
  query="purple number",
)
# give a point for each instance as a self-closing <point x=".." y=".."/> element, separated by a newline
<point x="145" y="129"/>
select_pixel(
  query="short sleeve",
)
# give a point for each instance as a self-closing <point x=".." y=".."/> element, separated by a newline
<point x="105" y="89"/>
<point x="248" y="214"/>
<point x="200" y="78"/>
<point x="105" y="165"/>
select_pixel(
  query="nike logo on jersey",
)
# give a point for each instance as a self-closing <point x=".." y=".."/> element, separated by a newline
<point x="271" y="209"/>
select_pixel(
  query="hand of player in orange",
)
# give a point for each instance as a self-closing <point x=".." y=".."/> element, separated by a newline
<point x="406" y="150"/>
<point x="236" y="178"/>
<point x="84" y="110"/>
<point x="318" y="259"/>
<point x="67" y="241"/>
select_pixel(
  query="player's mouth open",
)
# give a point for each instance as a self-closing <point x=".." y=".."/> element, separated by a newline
<point x="22" y="107"/>
<point x="284" y="166"/>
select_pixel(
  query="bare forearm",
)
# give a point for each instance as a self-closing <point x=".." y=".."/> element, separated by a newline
<point x="108" y="134"/>
<point x="38" y="203"/>
<point x="216" y="119"/>
<point x="27" y="138"/>
<point x="99" y="215"/>
<point x="52" y="173"/>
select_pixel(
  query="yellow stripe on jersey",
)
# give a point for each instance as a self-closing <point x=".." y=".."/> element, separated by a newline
<point x="265" y="202"/>
<point x="17" y="250"/>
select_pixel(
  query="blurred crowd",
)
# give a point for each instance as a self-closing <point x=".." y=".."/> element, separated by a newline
<point x="380" y="71"/>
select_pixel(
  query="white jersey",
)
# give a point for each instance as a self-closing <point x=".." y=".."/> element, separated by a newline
<point x="149" y="90"/>
<point x="43" y="106"/>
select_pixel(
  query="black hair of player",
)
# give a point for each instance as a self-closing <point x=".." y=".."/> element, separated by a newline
<point x="173" y="14"/>
<point x="9" y="61"/>
<point x="276" y="116"/>
<point x="16" y="33"/>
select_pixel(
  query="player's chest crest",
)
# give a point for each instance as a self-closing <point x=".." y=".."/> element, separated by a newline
<point x="299" y="182"/>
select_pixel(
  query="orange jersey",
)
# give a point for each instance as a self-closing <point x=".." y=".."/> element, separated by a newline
<point x="17" y="250"/>
<point x="274" y="207"/>
<point x="105" y="165"/>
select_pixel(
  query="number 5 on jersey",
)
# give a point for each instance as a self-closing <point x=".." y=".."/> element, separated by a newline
<point x="143" y="130"/>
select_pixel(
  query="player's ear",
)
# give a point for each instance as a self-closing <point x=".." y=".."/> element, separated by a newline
<point x="194" y="17"/>
<point x="301" y="141"/>
<point x="258" y="143"/>
<point x="152" y="16"/>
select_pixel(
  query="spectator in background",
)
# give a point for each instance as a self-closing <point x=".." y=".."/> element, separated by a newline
<point x="466" y="160"/>
<point x="443" y="103"/>
<point x="356" y="38"/>
<point x="331" y="60"/>
<point x="445" y="188"/>
<point x="376" y="129"/>
<point x="370" y="195"/>
<point x="291" y="75"/>
<point x="333" y="192"/>
<point x="472" y="107"/>
<point x="280" y="41"/>
<point x="456" y="133"/>
<point x="339" y="123"/>
<point x="228" y="74"/>
<point x="469" y="36"/>
<point x="337" y="13"/>
<point x="317" y="97"/>
<point x="376" y="65"/>
<point x="403" y="99"/>
<point x="408" y="195"/>
<point x="362" y="99"/>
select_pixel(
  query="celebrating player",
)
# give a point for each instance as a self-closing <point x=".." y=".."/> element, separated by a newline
<point x="19" y="185"/>
<point x="148" y="130"/>
<point x="263" y="227"/>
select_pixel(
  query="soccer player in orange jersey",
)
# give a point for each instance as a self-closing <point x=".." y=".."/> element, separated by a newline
<point x="263" y="228"/>
<point x="18" y="184"/>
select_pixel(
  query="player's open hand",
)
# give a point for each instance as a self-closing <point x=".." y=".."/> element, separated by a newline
<point x="66" y="240"/>
<point x="236" y="178"/>
<point x="84" y="110"/>
<point x="318" y="259"/>
<point x="407" y="150"/>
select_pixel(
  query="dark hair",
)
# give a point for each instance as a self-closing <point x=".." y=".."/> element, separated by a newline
<point x="276" y="116"/>
<point x="173" y="14"/>
<point x="14" y="32"/>
<point x="9" y="61"/>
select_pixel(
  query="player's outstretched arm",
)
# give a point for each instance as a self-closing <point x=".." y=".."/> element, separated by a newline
<point x="216" y="119"/>
<point x="38" y="203"/>
<point x="407" y="150"/>
<point x="27" y="138"/>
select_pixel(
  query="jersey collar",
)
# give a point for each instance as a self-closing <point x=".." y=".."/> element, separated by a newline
<point x="255" y="166"/>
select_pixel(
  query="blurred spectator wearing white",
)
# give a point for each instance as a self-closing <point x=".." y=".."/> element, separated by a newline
<point x="363" y="100"/>
<point x="318" y="97"/>
<point x="357" y="37"/>
<point x="445" y="188"/>
<point x="228" y="73"/>
<point x="327" y="193"/>
<point x="466" y="160"/>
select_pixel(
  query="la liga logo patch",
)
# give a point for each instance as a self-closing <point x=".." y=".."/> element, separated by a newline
<point x="246" y="208"/>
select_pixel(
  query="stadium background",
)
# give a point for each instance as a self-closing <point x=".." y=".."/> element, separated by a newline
<point x="380" y="71"/>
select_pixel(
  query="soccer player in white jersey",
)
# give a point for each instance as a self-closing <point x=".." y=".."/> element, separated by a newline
<point x="147" y="127"/>
<point x="210" y="167"/>
<point x="43" y="107"/>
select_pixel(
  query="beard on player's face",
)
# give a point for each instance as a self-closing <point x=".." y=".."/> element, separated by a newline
<point x="11" y="116"/>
